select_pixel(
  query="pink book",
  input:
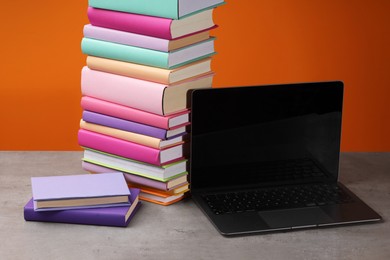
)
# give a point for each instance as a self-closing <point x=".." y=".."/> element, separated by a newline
<point x="143" y="41"/>
<point x="140" y="94"/>
<point x="128" y="149"/>
<point x="111" y="109"/>
<point x="144" y="95"/>
<point x="165" y="28"/>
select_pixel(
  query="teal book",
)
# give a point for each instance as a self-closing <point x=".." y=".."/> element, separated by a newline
<point x="174" y="9"/>
<point x="165" y="60"/>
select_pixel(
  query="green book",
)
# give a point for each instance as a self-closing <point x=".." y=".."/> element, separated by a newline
<point x="165" y="60"/>
<point x="174" y="9"/>
<point x="162" y="173"/>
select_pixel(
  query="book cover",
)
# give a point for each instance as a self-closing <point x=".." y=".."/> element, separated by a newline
<point x="165" y="60"/>
<point x="79" y="191"/>
<point x="131" y="126"/>
<point x="128" y="149"/>
<point x="136" y="179"/>
<point x="158" y="27"/>
<point x="133" y="137"/>
<point x="112" y="216"/>
<point x="174" y="9"/>
<point x="159" y="75"/>
<point x="160" y="173"/>
<point x="143" y="41"/>
<point x="133" y="114"/>
<point x="161" y="99"/>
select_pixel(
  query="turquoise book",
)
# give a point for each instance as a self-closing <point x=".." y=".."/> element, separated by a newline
<point x="165" y="60"/>
<point x="174" y="9"/>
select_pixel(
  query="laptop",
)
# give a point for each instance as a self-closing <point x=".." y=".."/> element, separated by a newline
<point x="266" y="158"/>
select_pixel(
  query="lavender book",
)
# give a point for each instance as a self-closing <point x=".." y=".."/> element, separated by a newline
<point x="79" y="191"/>
<point x="112" y="216"/>
<point x="131" y="126"/>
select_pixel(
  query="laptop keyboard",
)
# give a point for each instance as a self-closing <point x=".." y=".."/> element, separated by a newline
<point x="286" y="170"/>
<point x="276" y="198"/>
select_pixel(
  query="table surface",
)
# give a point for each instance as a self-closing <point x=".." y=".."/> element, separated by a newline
<point x="181" y="230"/>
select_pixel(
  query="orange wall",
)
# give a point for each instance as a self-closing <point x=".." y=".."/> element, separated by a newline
<point x="259" y="42"/>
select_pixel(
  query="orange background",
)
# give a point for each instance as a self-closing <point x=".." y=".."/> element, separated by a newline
<point x="258" y="42"/>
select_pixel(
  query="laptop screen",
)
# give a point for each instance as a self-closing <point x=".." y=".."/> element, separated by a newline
<point x="265" y="135"/>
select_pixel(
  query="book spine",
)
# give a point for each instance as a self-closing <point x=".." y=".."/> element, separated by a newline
<point x="131" y="22"/>
<point x="126" y="38"/>
<point x="167" y="8"/>
<point x="125" y="53"/>
<point x="130" y="178"/>
<point x="118" y="147"/>
<point x="128" y="113"/>
<point x="123" y="90"/>
<point x="125" y="125"/>
<point x="128" y="69"/>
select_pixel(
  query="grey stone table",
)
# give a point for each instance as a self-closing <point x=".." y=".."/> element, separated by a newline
<point x="181" y="231"/>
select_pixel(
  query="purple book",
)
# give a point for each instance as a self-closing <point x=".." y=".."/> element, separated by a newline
<point x="112" y="216"/>
<point x="131" y="126"/>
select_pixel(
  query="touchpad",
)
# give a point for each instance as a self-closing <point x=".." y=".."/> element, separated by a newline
<point x="294" y="217"/>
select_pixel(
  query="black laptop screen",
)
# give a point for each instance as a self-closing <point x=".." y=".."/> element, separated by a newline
<point x="265" y="135"/>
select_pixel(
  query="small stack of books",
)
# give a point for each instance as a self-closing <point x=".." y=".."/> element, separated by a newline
<point x="102" y="199"/>
<point x="143" y="58"/>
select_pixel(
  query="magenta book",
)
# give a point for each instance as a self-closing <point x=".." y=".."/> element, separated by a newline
<point x="159" y="27"/>
<point x="128" y="149"/>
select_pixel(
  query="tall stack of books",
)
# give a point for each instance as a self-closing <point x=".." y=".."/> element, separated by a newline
<point x="144" y="57"/>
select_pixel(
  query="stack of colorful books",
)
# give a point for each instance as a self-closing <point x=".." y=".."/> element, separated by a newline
<point x="144" y="57"/>
<point x="102" y="199"/>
